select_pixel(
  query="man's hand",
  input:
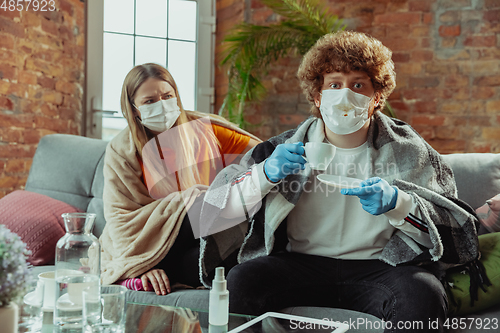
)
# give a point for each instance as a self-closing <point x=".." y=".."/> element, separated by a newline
<point x="285" y="160"/>
<point x="158" y="279"/>
<point x="375" y="194"/>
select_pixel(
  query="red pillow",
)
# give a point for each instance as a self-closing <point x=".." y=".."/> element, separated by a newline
<point x="37" y="219"/>
<point x="489" y="214"/>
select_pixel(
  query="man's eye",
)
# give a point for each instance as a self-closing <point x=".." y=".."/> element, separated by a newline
<point x="358" y="85"/>
<point x="334" y="86"/>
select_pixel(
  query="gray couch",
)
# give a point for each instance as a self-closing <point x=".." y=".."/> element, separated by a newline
<point x="70" y="168"/>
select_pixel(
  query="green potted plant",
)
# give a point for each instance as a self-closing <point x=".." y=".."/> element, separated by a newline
<point x="14" y="277"/>
<point x="250" y="49"/>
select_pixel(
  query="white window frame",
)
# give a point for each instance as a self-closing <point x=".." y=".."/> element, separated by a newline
<point x="94" y="24"/>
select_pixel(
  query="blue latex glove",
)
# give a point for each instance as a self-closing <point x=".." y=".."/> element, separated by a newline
<point x="285" y="160"/>
<point x="375" y="194"/>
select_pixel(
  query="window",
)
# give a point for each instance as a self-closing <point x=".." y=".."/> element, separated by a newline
<point x="172" y="33"/>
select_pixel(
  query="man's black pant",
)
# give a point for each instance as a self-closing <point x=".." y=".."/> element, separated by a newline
<point x="407" y="298"/>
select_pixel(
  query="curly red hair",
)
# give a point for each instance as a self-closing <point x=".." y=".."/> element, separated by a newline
<point x="347" y="51"/>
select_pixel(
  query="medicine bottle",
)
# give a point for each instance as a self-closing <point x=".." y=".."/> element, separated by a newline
<point x="218" y="313"/>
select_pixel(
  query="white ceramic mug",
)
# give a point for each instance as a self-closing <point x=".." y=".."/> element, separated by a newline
<point x="49" y="285"/>
<point x="319" y="154"/>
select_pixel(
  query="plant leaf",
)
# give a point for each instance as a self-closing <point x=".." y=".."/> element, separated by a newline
<point x="249" y="49"/>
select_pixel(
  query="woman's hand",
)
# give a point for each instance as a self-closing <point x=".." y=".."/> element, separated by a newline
<point x="158" y="279"/>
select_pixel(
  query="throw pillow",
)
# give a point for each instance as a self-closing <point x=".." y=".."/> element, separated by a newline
<point x="489" y="214"/>
<point x="37" y="219"/>
<point x="489" y="245"/>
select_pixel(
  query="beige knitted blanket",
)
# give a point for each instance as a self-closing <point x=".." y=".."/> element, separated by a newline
<point x="139" y="230"/>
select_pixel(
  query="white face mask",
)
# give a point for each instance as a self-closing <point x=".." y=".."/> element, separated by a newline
<point x="343" y="110"/>
<point x="160" y="116"/>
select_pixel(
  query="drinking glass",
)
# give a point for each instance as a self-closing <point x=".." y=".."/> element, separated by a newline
<point x="30" y="308"/>
<point x="104" y="309"/>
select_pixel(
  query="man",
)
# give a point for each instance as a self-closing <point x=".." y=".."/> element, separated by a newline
<point x="379" y="248"/>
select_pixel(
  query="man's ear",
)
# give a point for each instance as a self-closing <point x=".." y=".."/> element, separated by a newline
<point x="376" y="99"/>
<point x="317" y="100"/>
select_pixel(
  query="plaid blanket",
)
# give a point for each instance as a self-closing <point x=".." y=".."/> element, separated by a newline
<point x="416" y="168"/>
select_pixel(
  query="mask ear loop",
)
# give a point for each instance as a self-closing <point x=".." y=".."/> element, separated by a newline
<point x="316" y="102"/>
<point x="139" y="120"/>
<point x="137" y="116"/>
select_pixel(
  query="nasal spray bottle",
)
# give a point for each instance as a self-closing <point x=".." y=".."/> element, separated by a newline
<point x="218" y="313"/>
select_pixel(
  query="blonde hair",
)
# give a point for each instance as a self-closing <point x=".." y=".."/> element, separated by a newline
<point x="188" y="142"/>
<point x="347" y="51"/>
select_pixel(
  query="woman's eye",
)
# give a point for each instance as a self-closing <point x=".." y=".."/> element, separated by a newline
<point x="358" y="85"/>
<point x="149" y="101"/>
<point x="334" y="86"/>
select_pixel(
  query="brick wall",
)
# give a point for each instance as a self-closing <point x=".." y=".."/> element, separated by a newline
<point x="447" y="62"/>
<point x="41" y="82"/>
<point x="229" y="13"/>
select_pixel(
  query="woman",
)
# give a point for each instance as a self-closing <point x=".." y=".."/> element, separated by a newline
<point x="154" y="172"/>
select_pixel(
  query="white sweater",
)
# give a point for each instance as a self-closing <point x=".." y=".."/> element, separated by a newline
<point x="324" y="221"/>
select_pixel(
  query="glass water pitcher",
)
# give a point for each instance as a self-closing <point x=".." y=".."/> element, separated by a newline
<point x="77" y="265"/>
